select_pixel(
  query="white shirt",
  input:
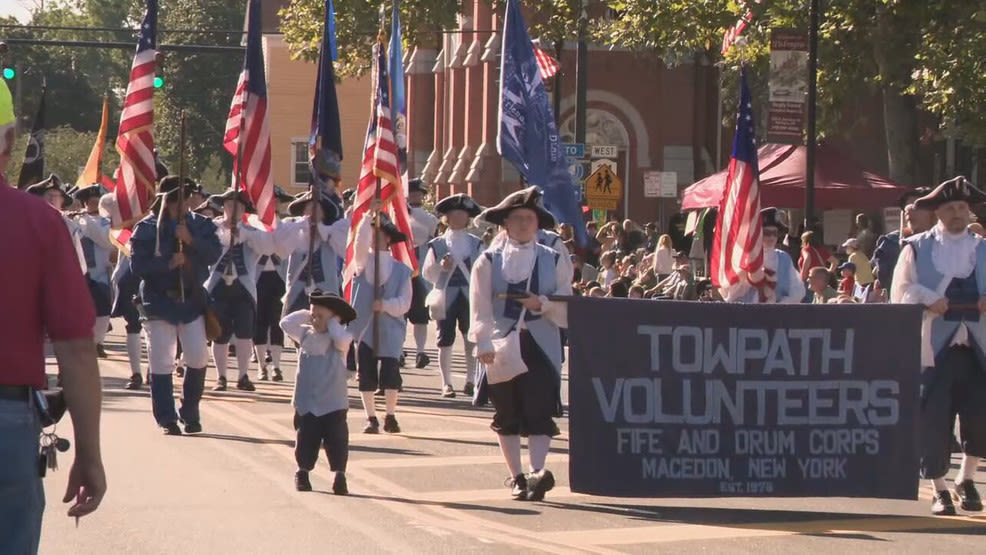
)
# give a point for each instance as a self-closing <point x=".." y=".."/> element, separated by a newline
<point x="663" y="261"/>
<point x="292" y="235"/>
<point x="460" y="242"/>
<point x="423" y="225"/>
<point x="260" y="241"/>
<point x="363" y="257"/>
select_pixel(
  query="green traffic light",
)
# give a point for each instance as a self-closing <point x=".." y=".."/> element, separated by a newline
<point x="9" y="73"/>
<point x="158" y="82"/>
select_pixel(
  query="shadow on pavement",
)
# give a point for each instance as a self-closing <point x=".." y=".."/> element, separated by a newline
<point x="458" y="506"/>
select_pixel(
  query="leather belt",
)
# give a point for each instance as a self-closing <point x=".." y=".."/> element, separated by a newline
<point x="15" y="393"/>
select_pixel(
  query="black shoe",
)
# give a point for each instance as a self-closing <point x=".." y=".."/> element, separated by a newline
<point x="967" y="494"/>
<point x="244" y="384"/>
<point x="101" y="351"/>
<point x="942" y="505"/>
<point x="401" y="361"/>
<point x="421" y="360"/>
<point x="220" y="384"/>
<point x="171" y="429"/>
<point x="263" y="375"/>
<point x="278" y="377"/>
<point x="518" y="487"/>
<point x="301" y="481"/>
<point x="390" y="424"/>
<point x="193" y="428"/>
<point x="372" y="426"/>
<point x="448" y="392"/>
<point x="539" y="483"/>
<point x="469" y="389"/>
<point x="339" y="486"/>
<point x="135" y="382"/>
<point x="268" y="359"/>
<point x="232" y="350"/>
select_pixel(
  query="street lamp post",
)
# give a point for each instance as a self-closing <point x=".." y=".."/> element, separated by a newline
<point x="581" y="78"/>
<point x="813" y="15"/>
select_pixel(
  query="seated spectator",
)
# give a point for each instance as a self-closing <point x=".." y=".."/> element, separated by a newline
<point x="818" y="283"/>
<point x="636" y="292"/>
<point x="848" y="283"/>
<point x="680" y="285"/>
<point x="618" y="289"/>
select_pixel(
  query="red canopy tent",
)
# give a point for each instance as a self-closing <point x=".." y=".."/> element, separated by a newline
<point x="839" y="182"/>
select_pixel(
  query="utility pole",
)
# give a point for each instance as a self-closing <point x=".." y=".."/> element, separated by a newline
<point x="813" y="16"/>
<point x="581" y="78"/>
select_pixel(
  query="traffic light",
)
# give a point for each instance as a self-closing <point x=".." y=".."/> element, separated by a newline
<point x="9" y="73"/>
<point x="158" y="82"/>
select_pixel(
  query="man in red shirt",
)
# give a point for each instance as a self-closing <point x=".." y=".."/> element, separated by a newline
<point x="42" y="290"/>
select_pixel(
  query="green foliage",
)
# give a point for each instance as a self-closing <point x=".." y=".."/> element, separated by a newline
<point x="66" y="153"/>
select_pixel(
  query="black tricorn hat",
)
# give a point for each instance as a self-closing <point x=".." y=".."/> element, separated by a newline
<point x="330" y="210"/>
<point x="335" y="303"/>
<point x="236" y="194"/>
<point x="415" y="184"/>
<point x="348" y="195"/>
<point x="529" y="198"/>
<point x="915" y="194"/>
<point x="213" y="203"/>
<point x="956" y="189"/>
<point x="458" y="201"/>
<point x="282" y="196"/>
<point x="388" y="227"/>
<point x="52" y="182"/>
<point x="85" y="193"/>
<point x="167" y="188"/>
<point x="771" y="217"/>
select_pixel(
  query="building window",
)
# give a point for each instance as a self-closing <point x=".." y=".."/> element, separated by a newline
<point x="299" y="158"/>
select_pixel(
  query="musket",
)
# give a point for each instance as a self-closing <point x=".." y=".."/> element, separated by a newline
<point x="181" y="201"/>
<point x="377" y="289"/>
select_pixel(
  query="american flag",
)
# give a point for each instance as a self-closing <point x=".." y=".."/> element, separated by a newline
<point x="247" y="135"/>
<point x="135" y="139"/>
<point x="547" y="66"/>
<point x="733" y="33"/>
<point x="380" y="167"/>
<point x="737" y="248"/>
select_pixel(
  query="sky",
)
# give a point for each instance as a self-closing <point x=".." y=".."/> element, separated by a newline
<point x="18" y="8"/>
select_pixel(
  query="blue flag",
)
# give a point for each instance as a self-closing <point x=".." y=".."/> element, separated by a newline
<point x="397" y="101"/>
<point x="326" y="127"/>
<point x="331" y="23"/>
<point x="527" y="135"/>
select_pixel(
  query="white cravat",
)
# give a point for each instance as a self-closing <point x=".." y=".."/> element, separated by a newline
<point x="518" y="260"/>
<point x="459" y="246"/>
<point x="386" y="265"/>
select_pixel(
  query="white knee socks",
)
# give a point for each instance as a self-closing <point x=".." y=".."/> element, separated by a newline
<point x="369" y="403"/>
<point x="220" y="353"/>
<point x="390" y="397"/>
<point x="445" y="364"/>
<point x="244" y="347"/>
<point x="261" y="353"/>
<point x="470" y="362"/>
<point x="420" y="336"/>
<point x="133" y="352"/>
<point x="939" y="484"/>
<point x="275" y="355"/>
<point x="537" y="451"/>
<point x="510" y="447"/>
<point x="968" y="469"/>
<point x="102" y="326"/>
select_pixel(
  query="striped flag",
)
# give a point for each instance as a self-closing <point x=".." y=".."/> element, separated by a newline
<point x="380" y="167"/>
<point x="737" y="248"/>
<point x="736" y="31"/>
<point x="135" y="139"/>
<point x="547" y="66"/>
<point x="247" y="135"/>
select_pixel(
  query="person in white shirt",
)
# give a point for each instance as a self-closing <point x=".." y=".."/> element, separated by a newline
<point x="944" y="269"/>
<point x="96" y="250"/>
<point x="517" y="330"/>
<point x="423" y="228"/>
<point x="782" y="283"/>
<point x="448" y="265"/>
<point x="54" y="194"/>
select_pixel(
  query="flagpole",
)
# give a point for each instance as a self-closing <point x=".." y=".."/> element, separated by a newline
<point x="181" y="201"/>
<point x="315" y="193"/>
<point x="377" y="293"/>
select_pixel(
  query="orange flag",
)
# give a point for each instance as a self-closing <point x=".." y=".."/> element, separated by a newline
<point x="91" y="172"/>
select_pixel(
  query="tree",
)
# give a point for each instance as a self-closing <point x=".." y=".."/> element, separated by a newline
<point x="66" y="152"/>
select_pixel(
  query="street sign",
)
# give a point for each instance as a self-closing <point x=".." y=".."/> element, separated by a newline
<point x="574" y="150"/>
<point x="603" y="188"/>
<point x="604" y="151"/>
<point x="669" y="184"/>
<point x="594" y="165"/>
<point x="577" y="169"/>
<point x="660" y="184"/>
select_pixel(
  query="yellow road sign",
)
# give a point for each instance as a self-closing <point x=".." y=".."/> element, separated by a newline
<point x="603" y="188"/>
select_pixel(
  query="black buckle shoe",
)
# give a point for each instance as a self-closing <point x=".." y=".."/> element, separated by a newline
<point x="390" y="424"/>
<point x="339" y="486"/>
<point x="101" y="351"/>
<point x="518" y="487"/>
<point x="942" y="505"/>
<point x="135" y="382"/>
<point x="220" y="384"/>
<point x="263" y="375"/>
<point x="448" y="392"/>
<point x="402" y="360"/>
<point x="372" y="426"/>
<point x="421" y="360"/>
<point x="969" y="497"/>
<point x="171" y="429"/>
<point x="469" y="389"/>
<point x="301" y="481"/>
<point x="539" y="483"/>
<point x="244" y="384"/>
<point x="278" y="377"/>
<point x="193" y="428"/>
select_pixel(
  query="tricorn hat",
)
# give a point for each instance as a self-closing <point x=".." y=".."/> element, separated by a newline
<point x="214" y="203"/>
<point x="85" y="193"/>
<point x="282" y="196"/>
<point x="331" y="211"/>
<point x="416" y="185"/>
<point x="771" y="217"/>
<point x="912" y="195"/>
<point x="529" y="198"/>
<point x="167" y="189"/>
<point x="52" y="182"/>
<point x="459" y="201"/>
<point x="388" y="227"/>
<point x="956" y="189"/>
<point x="335" y="303"/>
<point x="236" y="194"/>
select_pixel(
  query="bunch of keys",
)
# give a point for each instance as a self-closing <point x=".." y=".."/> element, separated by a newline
<point x="51" y="445"/>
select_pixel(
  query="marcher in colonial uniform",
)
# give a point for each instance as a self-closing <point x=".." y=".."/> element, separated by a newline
<point x="320" y="397"/>
<point x="519" y="339"/>
<point x="54" y="194"/>
<point x="271" y="275"/>
<point x="97" y="249"/>
<point x="944" y="269"/>
<point x="448" y="266"/>
<point x="376" y="355"/>
<point x="232" y="286"/>
<point x="164" y="272"/>
<point x="782" y="283"/>
<point x="423" y="226"/>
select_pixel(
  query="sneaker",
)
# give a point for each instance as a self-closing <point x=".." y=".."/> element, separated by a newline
<point x="171" y="429"/>
<point x="448" y="392"/>
<point x="135" y="382"/>
<point x="244" y="384"/>
<point x="969" y="497"/>
<point x="942" y="505"/>
<point x="390" y="424"/>
<point x="263" y="375"/>
<point x="101" y="351"/>
<point x="278" y="377"/>
<point x="220" y="384"/>
<point x="339" y="486"/>
<point x="469" y="389"/>
<point x="539" y="483"/>
<point x="372" y="426"/>
<point x="421" y="360"/>
<point x="193" y="428"/>
<point x="518" y="487"/>
<point x="301" y="481"/>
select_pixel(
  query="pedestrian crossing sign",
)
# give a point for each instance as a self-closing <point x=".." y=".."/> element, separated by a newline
<point x="603" y="188"/>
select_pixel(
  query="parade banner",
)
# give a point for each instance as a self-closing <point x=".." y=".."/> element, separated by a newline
<point x="679" y="399"/>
